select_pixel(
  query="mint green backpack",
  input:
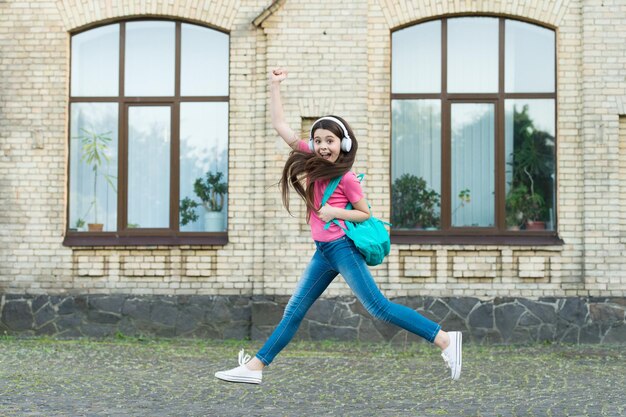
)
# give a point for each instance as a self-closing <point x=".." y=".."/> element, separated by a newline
<point x="370" y="237"/>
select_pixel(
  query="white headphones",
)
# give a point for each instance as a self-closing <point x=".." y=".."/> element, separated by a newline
<point x="346" y="141"/>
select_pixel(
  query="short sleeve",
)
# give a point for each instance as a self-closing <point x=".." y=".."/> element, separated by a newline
<point x="351" y="187"/>
<point x="303" y="146"/>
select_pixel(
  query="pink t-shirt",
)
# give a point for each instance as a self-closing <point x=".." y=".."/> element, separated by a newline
<point x="348" y="191"/>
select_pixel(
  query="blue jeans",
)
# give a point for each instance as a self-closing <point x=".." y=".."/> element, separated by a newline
<point x="330" y="259"/>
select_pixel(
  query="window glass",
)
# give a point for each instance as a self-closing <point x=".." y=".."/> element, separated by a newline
<point x="95" y="62"/>
<point x="416" y="61"/>
<point x="472" y="160"/>
<point x="147" y="69"/>
<point x="455" y="137"/>
<point x="149" y="59"/>
<point x="473" y="55"/>
<point x="530" y="164"/>
<point x="529" y="58"/>
<point x="93" y="167"/>
<point x="416" y="167"/>
<point x="149" y="131"/>
<point x="204" y="62"/>
<point x="203" y="160"/>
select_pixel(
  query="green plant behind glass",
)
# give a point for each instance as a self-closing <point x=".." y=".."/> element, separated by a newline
<point x="94" y="148"/>
<point x="532" y="166"/>
<point x="413" y="203"/>
<point x="464" y="199"/>
<point x="522" y="206"/>
<point x="211" y="192"/>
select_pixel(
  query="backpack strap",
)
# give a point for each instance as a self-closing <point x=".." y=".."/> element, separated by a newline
<point x="330" y="189"/>
<point x="332" y="186"/>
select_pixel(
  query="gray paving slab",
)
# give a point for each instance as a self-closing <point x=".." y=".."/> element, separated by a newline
<point x="133" y="377"/>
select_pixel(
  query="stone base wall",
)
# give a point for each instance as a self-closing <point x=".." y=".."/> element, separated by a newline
<point x="500" y="320"/>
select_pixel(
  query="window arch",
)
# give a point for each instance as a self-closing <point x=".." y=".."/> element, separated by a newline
<point x="148" y="126"/>
<point x="473" y="108"/>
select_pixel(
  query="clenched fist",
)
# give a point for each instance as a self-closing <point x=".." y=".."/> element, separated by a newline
<point x="278" y="74"/>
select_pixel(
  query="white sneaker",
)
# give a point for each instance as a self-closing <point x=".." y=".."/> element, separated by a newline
<point x="453" y="354"/>
<point x="241" y="373"/>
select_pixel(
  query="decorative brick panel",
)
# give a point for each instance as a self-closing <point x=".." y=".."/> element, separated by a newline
<point x="200" y="265"/>
<point x="90" y="265"/>
<point x="142" y="266"/>
<point x="533" y="265"/>
<point x="480" y="265"/>
<point x="418" y="264"/>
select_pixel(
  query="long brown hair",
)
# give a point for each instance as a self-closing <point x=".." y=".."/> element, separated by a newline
<point x="308" y="167"/>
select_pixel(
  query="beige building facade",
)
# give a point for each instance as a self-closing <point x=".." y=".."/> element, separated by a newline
<point x="339" y="57"/>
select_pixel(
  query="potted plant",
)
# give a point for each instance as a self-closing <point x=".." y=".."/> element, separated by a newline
<point x="414" y="205"/>
<point x="513" y="207"/>
<point x="532" y="167"/>
<point x="80" y="223"/>
<point x="523" y="208"/>
<point x="211" y="191"/>
<point x="94" y="152"/>
<point x="464" y="199"/>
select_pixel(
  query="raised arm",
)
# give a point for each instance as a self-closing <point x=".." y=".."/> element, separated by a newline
<point x="290" y="137"/>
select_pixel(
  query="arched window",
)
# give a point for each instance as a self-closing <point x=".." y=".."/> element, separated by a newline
<point x="148" y="134"/>
<point x="473" y="129"/>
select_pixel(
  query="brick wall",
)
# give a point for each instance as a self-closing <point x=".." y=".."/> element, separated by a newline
<point x="603" y="89"/>
<point x="325" y="45"/>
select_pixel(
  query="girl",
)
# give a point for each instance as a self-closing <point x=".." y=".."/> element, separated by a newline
<point x="330" y="152"/>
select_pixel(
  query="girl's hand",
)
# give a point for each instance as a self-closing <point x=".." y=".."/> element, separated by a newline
<point x="326" y="213"/>
<point x="278" y="74"/>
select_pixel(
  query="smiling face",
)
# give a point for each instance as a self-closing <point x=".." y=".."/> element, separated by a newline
<point x="327" y="145"/>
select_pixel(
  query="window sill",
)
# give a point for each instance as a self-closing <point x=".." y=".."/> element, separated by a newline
<point x="114" y="239"/>
<point x="517" y="239"/>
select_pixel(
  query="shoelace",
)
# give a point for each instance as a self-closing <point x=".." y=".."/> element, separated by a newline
<point x="243" y="358"/>
<point x="448" y="362"/>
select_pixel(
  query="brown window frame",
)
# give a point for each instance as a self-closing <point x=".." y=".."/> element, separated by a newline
<point x="497" y="235"/>
<point x="125" y="236"/>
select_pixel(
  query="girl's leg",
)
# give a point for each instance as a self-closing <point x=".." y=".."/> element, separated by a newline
<point x="352" y="267"/>
<point x="315" y="279"/>
<point x="349" y="262"/>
